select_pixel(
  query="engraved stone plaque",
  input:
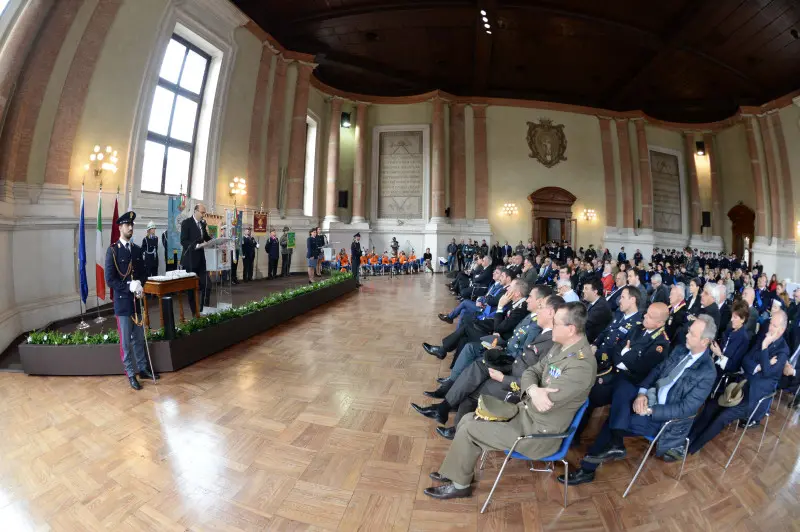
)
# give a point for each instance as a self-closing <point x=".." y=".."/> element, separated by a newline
<point x="666" y="192"/>
<point x="400" y="175"/>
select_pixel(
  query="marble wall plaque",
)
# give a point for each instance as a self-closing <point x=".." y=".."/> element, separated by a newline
<point x="400" y="175"/>
<point x="666" y="192"/>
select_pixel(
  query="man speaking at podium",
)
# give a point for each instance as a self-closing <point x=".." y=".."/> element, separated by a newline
<point x="193" y="259"/>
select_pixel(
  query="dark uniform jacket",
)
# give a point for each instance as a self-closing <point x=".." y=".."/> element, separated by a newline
<point x="249" y="247"/>
<point x="355" y="254"/>
<point x="613" y="299"/>
<point x="122" y="267"/>
<point x="504" y="322"/>
<point x="713" y="311"/>
<point x="539" y="346"/>
<point x="676" y="324"/>
<point x="273" y="248"/>
<point x="646" y="351"/>
<point x="193" y="259"/>
<point x="764" y="381"/>
<point x="150" y="250"/>
<point x="612" y="336"/>
<point x="659" y="295"/>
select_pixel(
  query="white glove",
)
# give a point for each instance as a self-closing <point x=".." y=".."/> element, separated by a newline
<point x="135" y="287"/>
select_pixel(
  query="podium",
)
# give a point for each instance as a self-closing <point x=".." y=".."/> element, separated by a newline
<point x="218" y="260"/>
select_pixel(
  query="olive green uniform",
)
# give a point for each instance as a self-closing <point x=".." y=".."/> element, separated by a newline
<point x="571" y="371"/>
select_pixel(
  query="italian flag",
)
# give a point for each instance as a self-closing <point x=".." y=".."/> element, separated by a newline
<point x="99" y="252"/>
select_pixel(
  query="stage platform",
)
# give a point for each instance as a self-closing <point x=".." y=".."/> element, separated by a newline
<point x="240" y="294"/>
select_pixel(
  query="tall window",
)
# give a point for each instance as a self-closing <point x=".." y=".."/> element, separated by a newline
<point x="3" y="5"/>
<point x="169" y="152"/>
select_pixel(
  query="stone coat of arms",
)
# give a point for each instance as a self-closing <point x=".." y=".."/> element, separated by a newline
<point x="547" y="142"/>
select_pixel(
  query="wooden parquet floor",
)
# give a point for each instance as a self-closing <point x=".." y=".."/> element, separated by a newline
<point x="308" y="427"/>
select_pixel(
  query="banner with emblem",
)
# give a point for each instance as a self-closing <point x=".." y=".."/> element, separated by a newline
<point x="260" y="223"/>
<point x="176" y="213"/>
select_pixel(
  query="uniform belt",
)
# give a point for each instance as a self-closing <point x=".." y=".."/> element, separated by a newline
<point x="605" y="372"/>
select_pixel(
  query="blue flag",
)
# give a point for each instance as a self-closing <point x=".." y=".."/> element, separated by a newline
<point x="82" y="256"/>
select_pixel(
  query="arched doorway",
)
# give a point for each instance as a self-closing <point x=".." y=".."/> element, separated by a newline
<point x="551" y="212"/>
<point x="743" y="223"/>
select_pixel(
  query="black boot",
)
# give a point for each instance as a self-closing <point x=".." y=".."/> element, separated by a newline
<point x="146" y="374"/>
<point x="436" y="412"/>
<point x="134" y="383"/>
<point x="440" y="392"/>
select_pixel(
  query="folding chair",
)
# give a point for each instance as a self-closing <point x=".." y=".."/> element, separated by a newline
<point x="653" y="441"/>
<point x="747" y="425"/>
<point x="560" y="455"/>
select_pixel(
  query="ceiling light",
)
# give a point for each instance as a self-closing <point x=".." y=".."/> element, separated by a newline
<point x="483" y="12"/>
<point x="489" y="32"/>
<point x="486" y="26"/>
<point x="485" y="19"/>
<point x="700" y="148"/>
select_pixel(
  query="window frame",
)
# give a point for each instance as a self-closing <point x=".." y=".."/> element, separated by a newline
<point x="166" y="140"/>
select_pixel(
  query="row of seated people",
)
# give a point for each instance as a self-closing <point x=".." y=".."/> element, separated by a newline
<point x="526" y="345"/>
<point x="376" y="264"/>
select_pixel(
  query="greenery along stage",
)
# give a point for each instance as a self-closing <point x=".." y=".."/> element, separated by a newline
<point x="193" y="325"/>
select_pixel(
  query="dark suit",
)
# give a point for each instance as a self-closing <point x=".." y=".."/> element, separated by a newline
<point x="763" y="300"/>
<point x="480" y="284"/>
<point x="249" y="246"/>
<point x="193" y="259"/>
<point x="504" y="322"/>
<point x="676" y="325"/>
<point x="763" y="382"/>
<point x="613" y="299"/>
<point x="598" y="317"/>
<point x="724" y="319"/>
<point x="273" y="249"/>
<point x="713" y="311"/>
<point x="693" y="306"/>
<point x="659" y="295"/>
<point x="734" y="345"/>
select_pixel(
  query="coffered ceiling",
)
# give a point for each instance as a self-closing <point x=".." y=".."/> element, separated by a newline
<point x="679" y="60"/>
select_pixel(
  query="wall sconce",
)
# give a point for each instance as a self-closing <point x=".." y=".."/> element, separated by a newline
<point x="509" y="209"/>
<point x="589" y="215"/>
<point x="346" y="120"/>
<point x="102" y="161"/>
<point x="238" y="187"/>
<point x="700" y="147"/>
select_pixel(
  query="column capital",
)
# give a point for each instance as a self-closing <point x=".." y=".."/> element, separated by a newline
<point x="336" y="102"/>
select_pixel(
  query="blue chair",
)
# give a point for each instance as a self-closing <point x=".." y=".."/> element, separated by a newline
<point x="748" y="425"/>
<point x="653" y="440"/>
<point x="561" y="454"/>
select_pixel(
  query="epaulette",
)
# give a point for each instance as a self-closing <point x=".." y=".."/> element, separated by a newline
<point x="657" y="333"/>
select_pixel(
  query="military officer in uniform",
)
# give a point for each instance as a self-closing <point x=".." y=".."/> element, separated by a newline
<point x="150" y="250"/>
<point x="249" y="247"/>
<point x="678" y="315"/>
<point x="552" y="392"/>
<point x="125" y="273"/>
<point x="355" y="257"/>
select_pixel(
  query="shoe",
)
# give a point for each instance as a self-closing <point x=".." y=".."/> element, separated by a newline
<point x="448" y="433"/>
<point x="796" y="402"/>
<point x="445" y="318"/>
<point x="431" y="412"/>
<point x="439" y="478"/>
<point x="148" y="376"/>
<point x="439" y="393"/>
<point x="612" y="453"/>
<point x="434" y="350"/>
<point x="134" y="383"/>
<point x="581" y="476"/>
<point x="673" y="455"/>
<point x="448" y="491"/>
<point x="442" y="380"/>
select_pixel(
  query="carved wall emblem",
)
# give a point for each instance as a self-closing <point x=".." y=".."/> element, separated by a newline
<point x="547" y="142"/>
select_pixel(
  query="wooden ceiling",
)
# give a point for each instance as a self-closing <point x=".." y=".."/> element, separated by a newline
<point x="678" y="60"/>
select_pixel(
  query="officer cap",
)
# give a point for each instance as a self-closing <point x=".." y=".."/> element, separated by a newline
<point x="357" y="235"/>
<point x="126" y="218"/>
<point x="151" y="224"/>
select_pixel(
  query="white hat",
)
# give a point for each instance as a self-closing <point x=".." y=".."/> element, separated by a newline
<point x="151" y="225"/>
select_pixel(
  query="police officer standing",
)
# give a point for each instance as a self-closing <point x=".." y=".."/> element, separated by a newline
<point x="249" y="247"/>
<point x="272" y="247"/>
<point x="150" y="250"/>
<point x="355" y="257"/>
<point x="125" y="273"/>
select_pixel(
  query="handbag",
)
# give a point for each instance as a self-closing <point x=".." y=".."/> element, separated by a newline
<point x="499" y="360"/>
<point x="491" y="408"/>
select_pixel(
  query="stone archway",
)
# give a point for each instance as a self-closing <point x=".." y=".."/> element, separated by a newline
<point x="551" y="214"/>
<point x="743" y="223"/>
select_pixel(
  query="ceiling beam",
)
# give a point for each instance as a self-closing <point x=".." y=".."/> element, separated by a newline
<point x="371" y="69"/>
<point x="373" y="8"/>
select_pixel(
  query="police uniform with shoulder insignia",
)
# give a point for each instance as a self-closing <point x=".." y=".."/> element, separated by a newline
<point x="571" y="370"/>
<point x="676" y="324"/>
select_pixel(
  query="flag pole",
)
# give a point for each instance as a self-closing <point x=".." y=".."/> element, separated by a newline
<point x="82" y="325"/>
<point x="99" y="319"/>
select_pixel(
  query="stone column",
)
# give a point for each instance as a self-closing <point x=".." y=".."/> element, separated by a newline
<point x="481" y="164"/>
<point x="716" y="203"/>
<point x="644" y="176"/>
<point x="458" y="164"/>
<point x="694" y="185"/>
<point x="786" y="177"/>
<point x="254" y="174"/>
<point x="297" y="142"/>
<point x="755" y="169"/>
<point x="18" y="44"/>
<point x="437" y="161"/>
<point x="332" y="171"/>
<point x="359" y="164"/>
<point x="275" y="133"/>
<point x="626" y="173"/>
<point x="608" y="172"/>
<point x="772" y="177"/>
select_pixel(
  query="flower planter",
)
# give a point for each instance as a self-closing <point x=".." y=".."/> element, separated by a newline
<point x="104" y="359"/>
